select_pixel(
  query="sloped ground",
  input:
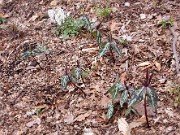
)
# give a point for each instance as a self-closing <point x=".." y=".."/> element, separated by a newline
<point x="26" y="87"/>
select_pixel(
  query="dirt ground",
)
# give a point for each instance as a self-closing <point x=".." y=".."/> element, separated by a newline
<point x="31" y="97"/>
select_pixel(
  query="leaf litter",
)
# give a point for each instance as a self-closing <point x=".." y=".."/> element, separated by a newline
<point x="71" y="112"/>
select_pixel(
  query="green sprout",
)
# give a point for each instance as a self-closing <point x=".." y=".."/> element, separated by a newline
<point x="167" y="22"/>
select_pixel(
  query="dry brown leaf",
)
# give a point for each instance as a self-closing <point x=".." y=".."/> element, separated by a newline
<point x="69" y="118"/>
<point x="140" y="109"/>
<point x="35" y="121"/>
<point x="123" y="77"/>
<point x="82" y="116"/>
<point x="114" y="26"/>
<point x="90" y="50"/>
<point x="34" y="17"/>
<point x="124" y="127"/>
<point x="138" y="122"/>
<point x="54" y="3"/>
<point x="146" y="63"/>
<point x="104" y="101"/>
<point x="158" y="65"/>
<point x="3" y="15"/>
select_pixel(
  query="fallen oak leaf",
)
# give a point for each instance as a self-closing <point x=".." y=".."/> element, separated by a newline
<point x="158" y="65"/>
<point x="82" y="116"/>
<point x="104" y="100"/>
<point x="138" y="122"/>
<point x="126" y="128"/>
<point x="35" y="121"/>
<point x="114" y="26"/>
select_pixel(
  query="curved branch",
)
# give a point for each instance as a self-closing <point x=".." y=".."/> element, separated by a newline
<point x="174" y="49"/>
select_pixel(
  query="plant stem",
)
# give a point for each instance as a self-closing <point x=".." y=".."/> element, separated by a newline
<point x="75" y="85"/>
<point x="37" y="62"/>
<point x="112" y="55"/>
<point x="145" y="109"/>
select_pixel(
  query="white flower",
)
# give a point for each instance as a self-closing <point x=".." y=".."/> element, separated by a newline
<point x="126" y="37"/>
<point x="57" y="15"/>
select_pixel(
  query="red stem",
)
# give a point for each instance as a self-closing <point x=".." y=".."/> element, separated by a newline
<point x="112" y="55"/>
<point x="145" y="110"/>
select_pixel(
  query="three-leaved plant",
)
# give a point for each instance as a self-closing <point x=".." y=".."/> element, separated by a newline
<point x="146" y="93"/>
<point x="109" y="47"/>
<point x="32" y="52"/>
<point x="132" y="96"/>
<point x="125" y="93"/>
<point x="73" y="76"/>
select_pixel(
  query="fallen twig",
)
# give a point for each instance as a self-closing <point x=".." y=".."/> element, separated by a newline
<point x="175" y="54"/>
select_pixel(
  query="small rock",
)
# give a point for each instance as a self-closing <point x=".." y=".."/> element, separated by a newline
<point x="142" y="16"/>
<point x="126" y="4"/>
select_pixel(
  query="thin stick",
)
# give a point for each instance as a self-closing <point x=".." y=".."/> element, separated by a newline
<point x="174" y="49"/>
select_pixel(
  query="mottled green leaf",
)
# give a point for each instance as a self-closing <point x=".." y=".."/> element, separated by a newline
<point x="74" y="79"/>
<point x="26" y="54"/>
<point x="77" y="73"/>
<point x="110" y="110"/>
<point x="40" y="50"/>
<point x="115" y="89"/>
<point x="87" y="24"/>
<point x="116" y="48"/>
<point x="129" y="110"/>
<point x="124" y="97"/>
<point x="152" y="97"/>
<point x="64" y="81"/>
<point x="120" y="86"/>
<point x="98" y="36"/>
<point x="136" y="97"/>
<point x="104" y="50"/>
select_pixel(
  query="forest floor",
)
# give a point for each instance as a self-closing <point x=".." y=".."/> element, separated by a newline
<point x="31" y="98"/>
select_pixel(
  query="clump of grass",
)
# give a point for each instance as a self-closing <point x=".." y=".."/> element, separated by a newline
<point x="103" y="12"/>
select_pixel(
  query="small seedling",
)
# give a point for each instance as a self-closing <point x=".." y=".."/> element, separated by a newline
<point x="125" y="39"/>
<point x="70" y="27"/>
<point x="2" y="20"/>
<point x="176" y="92"/>
<point x="167" y="22"/>
<point x="103" y="12"/>
<point x="146" y="93"/>
<point x="109" y="46"/>
<point x="38" y="50"/>
<point x="73" y="77"/>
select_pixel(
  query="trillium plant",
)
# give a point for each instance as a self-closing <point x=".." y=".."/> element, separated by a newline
<point x="145" y="93"/>
<point x="109" y="47"/>
<point x="74" y="76"/>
